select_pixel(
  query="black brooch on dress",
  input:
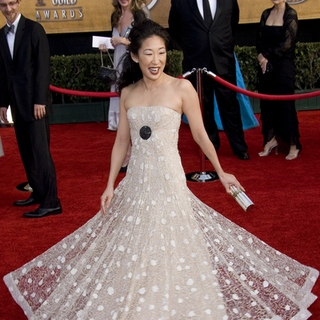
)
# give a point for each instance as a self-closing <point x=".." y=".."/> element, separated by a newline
<point x="145" y="132"/>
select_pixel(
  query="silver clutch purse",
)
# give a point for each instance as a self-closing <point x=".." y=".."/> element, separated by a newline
<point x="242" y="199"/>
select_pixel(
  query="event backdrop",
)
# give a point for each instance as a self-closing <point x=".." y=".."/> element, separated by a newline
<point x="70" y="16"/>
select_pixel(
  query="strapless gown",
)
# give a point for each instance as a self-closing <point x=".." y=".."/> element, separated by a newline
<point x="160" y="253"/>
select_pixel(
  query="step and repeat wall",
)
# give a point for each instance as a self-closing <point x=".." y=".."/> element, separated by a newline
<point x="72" y="16"/>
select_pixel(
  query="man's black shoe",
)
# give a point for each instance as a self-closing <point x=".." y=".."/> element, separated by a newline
<point x="243" y="155"/>
<point x="42" y="212"/>
<point x="23" y="203"/>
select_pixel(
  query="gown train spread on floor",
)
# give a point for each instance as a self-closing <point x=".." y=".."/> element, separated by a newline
<point x="160" y="253"/>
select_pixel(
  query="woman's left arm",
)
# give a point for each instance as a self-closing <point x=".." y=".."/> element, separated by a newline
<point x="115" y="41"/>
<point x="191" y="108"/>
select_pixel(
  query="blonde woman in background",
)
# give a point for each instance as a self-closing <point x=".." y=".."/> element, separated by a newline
<point x="125" y="14"/>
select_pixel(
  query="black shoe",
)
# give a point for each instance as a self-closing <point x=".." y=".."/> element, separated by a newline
<point x="124" y="169"/>
<point x="243" y="155"/>
<point x="23" y="203"/>
<point x="42" y="212"/>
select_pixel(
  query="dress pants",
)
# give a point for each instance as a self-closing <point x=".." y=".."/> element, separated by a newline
<point x="229" y="110"/>
<point x="33" y="141"/>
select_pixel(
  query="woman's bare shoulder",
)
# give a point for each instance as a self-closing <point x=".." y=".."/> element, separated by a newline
<point x="182" y="93"/>
<point x="127" y="90"/>
<point x="129" y="94"/>
<point x="181" y="84"/>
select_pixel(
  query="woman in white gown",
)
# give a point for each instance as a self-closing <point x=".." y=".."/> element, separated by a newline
<point x="155" y="251"/>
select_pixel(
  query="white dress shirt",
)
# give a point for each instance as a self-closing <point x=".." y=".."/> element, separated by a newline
<point x="11" y="36"/>
<point x="213" y="7"/>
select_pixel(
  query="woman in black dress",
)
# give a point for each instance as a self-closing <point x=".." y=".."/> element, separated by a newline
<point x="276" y="54"/>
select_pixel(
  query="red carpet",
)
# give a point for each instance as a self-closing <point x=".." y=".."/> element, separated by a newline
<point x="285" y="193"/>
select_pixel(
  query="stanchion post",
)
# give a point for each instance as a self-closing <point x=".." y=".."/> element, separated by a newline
<point x="200" y="96"/>
<point x="202" y="175"/>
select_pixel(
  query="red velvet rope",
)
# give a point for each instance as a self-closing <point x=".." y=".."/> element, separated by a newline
<point x="260" y="95"/>
<point x="213" y="76"/>
<point x="84" y="93"/>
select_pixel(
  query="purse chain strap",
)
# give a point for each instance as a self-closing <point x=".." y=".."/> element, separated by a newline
<point x="109" y="57"/>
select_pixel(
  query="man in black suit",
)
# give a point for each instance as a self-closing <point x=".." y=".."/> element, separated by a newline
<point x="204" y="29"/>
<point x="24" y="85"/>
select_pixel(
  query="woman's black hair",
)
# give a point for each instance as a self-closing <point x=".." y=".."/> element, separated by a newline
<point x="131" y="72"/>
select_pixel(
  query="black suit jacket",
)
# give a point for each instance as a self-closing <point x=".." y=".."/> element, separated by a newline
<point x="201" y="44"/>
<point x="25" y="79"/>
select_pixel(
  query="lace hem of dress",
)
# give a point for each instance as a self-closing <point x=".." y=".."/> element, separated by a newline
<point x="304" y="314"/>
<point x="8" y="280"/>
<point x="308" y="296"/>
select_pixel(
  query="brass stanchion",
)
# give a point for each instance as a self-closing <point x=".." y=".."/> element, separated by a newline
<point x="202" y="175"/>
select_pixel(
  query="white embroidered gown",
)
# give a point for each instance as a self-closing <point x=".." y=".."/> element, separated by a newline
<point x="160" y="253"/>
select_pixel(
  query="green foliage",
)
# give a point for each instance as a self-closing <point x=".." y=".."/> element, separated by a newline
<point x="79" y="72"/>
<point x="174" y="63"/>
<point x="248" y="62"/>
<point x="308" y="65"/>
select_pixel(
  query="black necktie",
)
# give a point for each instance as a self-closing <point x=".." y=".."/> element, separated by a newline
<point x="8" y="29"/>
<point x="207" y="13"/>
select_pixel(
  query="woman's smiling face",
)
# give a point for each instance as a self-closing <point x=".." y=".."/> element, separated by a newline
<point x="152" y="57"/>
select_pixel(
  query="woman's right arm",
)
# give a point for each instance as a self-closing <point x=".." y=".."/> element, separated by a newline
<point x="119" y="152"/>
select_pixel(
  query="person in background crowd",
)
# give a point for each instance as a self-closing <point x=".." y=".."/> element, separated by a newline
<point x="125" y="14"/>
<point x="205" y="32"/>
<point x="24" y="85"/>
<point x="276" y="55"/>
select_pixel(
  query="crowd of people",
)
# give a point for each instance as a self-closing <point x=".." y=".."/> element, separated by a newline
<point x="154" y="250"/>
